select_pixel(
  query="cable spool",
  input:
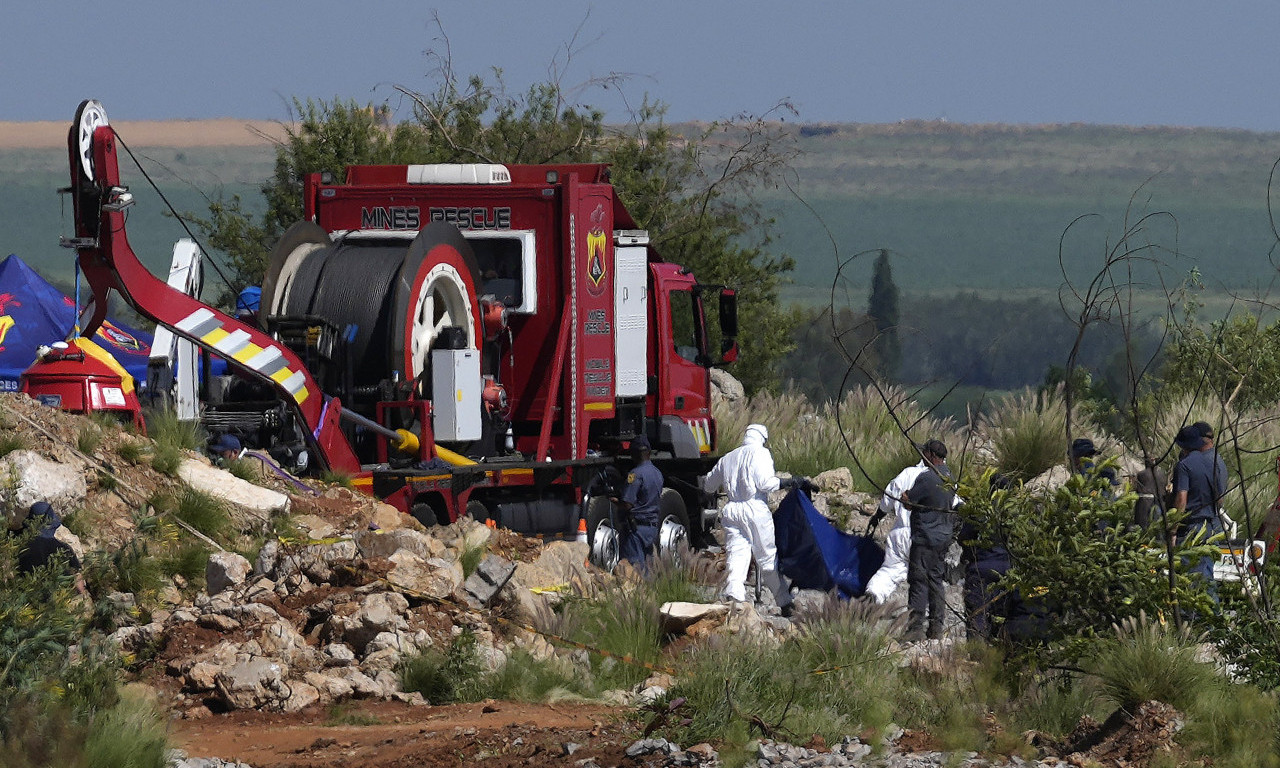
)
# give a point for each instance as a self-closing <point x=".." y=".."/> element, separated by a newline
<point x="400" y="295"/>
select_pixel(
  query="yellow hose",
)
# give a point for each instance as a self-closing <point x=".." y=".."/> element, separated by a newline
<point x="456" y="459"/>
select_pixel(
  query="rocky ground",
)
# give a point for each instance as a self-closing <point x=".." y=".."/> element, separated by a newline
<point x="289" y="660"/>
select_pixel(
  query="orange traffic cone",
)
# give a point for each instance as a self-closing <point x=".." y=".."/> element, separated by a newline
<point x="582" y="529"/>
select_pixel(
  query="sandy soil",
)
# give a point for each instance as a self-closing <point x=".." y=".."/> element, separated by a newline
<point x="500" y="734"/>
<point x="225" y="132"/>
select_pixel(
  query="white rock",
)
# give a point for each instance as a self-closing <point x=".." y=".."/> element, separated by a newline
<point x="339" y="655"/>
<point x="385" y="543"/>
<point x="252" y="684"/>
<point x="71" y="540"/>
<point x="262" y="502"/>
<point x="225" y="570"/>
<point x="38" y="479"/>
<point x="301" y="696"/>
<point x="677" y="616"/>
<point x="838" y="480"/>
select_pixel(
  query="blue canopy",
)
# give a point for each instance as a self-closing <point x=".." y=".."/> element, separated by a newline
<point x="33" y="312"/>
<point x="812" y="554"/>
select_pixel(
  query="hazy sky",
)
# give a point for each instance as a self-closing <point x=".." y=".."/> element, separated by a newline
<point x="1171" y="62"/>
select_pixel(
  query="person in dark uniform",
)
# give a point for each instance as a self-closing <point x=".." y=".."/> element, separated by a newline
<point x="1197" y="490"/>
<point x="986" y="560"/>
<point x="44" y="549"/>
<point x="930" y="501"/>
<point x="639" y="506"/>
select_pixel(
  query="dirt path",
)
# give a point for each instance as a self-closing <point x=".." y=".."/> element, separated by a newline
<point x="500" y="733"/>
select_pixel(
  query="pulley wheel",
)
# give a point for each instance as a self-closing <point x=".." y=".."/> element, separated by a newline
<point x="436" y="290"/>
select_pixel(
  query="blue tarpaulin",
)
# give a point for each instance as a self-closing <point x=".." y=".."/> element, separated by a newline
<point x="33" y="312"/>
<point x="812" y="554"/>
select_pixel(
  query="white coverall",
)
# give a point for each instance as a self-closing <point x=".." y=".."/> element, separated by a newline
<point x="897" y="549"/>
<point x="747" y="475"/>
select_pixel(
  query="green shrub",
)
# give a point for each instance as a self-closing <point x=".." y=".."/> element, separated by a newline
<point x="1238" y="726"/>
<point x="248" y="470"/>
<point x="346" y="714"/>
<point x="1078" y="554"/>
<point x="444" y="678"/>
<point x="623" y="622"/>
<point x="187" y="560"/>
<point x="337" y="477"/>
<point x="107" y="481"/>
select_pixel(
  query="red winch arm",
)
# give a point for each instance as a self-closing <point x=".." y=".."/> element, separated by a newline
<point x="108" y="262"/>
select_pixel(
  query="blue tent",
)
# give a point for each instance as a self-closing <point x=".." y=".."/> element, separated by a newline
<point x="33" y="312"/>
<point x="812" y="554"/>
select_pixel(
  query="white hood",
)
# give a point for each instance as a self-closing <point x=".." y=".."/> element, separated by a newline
<point x="756" y="435"/>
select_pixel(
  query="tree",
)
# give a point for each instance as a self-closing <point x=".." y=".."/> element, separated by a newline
<point x="693" y="191"/>
<point x="882" y="307"/>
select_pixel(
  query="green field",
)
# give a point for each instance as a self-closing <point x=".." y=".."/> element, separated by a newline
<point x="961" y="207"/>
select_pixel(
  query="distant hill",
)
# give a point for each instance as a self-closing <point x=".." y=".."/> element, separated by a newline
<point x="962" y="207"/>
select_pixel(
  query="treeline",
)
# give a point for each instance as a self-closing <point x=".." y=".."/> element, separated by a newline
<point x="967" y="339"/>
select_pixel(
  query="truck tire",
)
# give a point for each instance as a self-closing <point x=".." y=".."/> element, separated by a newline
<point x="478" y="511"/>
<point x="602" y="537"/>
<point x="673" y="524"/>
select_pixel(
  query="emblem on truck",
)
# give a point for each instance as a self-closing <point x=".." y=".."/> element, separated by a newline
<point x="596" y="243"/>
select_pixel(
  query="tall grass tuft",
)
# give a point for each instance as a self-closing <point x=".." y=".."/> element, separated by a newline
<point x="131" y="451"/>
<point x="168" y="430"/>
<point x="166" y="460"/>
<point x="132" y="734"/>
<point x="833" y="679"/>
<point x="622" y="621"/>
<point x="88" y="439"/>
<point x="1028" y="432"/>
<point x="444" y="678"/>
<point x="201" y="511"/>
<point x="10" y="442"/>
<point x="1150" y="661"/>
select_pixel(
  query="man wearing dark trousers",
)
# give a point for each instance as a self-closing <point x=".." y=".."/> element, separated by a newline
<point x="639" y="504"/>
<point x="930" y="501"/>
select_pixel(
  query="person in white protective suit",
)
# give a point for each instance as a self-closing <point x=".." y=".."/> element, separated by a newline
<point x="747" y="475"/>
<point x="897" y="551"/>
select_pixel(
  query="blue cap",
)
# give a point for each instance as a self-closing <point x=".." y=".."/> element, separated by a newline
<point x="640" y="442"/>
<point x="226" y="442"/>
<point x="43" y="514"/>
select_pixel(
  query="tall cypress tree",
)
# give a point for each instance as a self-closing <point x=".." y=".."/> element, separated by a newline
<point x="882" y="307"/>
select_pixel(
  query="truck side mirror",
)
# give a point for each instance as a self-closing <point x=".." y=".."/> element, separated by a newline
<point x="728" y="313"/>
<point x="728" y="325"/>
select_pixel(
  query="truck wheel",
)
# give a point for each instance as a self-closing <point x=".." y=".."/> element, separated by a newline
<point x="602" y="537"/>
<point x="673" y="523"/>
<point x="478" y="511"/>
